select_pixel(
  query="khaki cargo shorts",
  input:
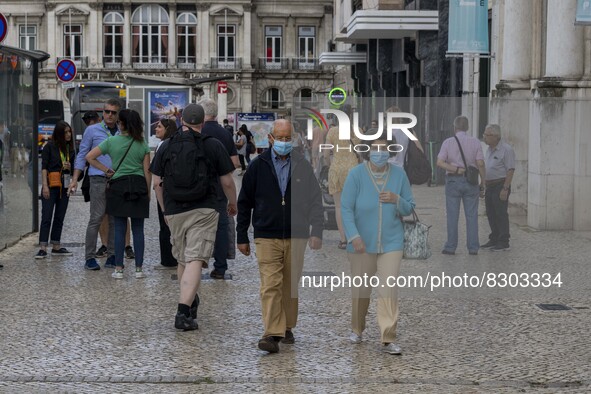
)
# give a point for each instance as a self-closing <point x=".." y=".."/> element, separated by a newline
<point x="193" y="234"/>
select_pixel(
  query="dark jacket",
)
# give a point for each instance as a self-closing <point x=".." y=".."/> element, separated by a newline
<point x="271" y="219"/>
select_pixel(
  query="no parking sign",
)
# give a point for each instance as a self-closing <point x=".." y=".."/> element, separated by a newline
<point x="3" y="28"/>
<point x="66" y="70"/>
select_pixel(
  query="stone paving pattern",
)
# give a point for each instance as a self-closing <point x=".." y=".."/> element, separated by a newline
<point x="66" y="329"/>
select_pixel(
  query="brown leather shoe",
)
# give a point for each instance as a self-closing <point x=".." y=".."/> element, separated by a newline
<point x="288" y="339"/>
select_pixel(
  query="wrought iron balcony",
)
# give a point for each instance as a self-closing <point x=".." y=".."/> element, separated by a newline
<point x="274" y="63"/>
<point x="79" y="61"/>
<point x="112" y="61"/>
<point x="309" y="64"/>
<point x="226" y="63"/>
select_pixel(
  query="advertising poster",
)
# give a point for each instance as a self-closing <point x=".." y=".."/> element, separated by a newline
<point x="259" y="124"/>
<point x="468" y="26"/>
<point x="583" y="12"/>
<point x="165" y="104"/>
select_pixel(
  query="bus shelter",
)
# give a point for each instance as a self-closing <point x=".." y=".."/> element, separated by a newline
<point x="19" y="96"/>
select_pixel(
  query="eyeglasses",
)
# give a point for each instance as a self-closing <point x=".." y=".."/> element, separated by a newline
<point x="109" y="112"/>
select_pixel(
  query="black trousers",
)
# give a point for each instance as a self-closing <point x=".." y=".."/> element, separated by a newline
<point x="496" y="212"/>
<point x="242" y="164"/>
<point x="166" y="257"/>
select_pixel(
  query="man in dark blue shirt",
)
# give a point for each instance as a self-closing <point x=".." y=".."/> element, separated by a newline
<point x="222" y="241"/>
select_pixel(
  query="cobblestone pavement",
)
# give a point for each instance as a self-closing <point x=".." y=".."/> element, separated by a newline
<point x="66" y="329"/>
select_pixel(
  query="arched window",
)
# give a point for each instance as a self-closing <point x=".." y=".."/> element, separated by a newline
<point x="113" y="39"/>
<point x="150" y="34"/>
<point x="273" y="98"/>
<point x="186" y="39"/>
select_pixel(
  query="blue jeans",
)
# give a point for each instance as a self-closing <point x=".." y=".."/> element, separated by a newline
<point x="222" y="243"/>
<point x="457" y="189"/>
<point x="137" y="231"/>
<point x="56" y="202"/>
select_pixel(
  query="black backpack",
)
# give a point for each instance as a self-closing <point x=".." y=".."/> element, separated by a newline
<point x="416" y="165"/>
<point x="188" y="175"/>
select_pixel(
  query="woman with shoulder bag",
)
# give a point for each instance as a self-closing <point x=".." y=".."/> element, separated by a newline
<point x="250" y="147"/>
<point x="128" y="187"/>
<point x="56" y="167"/>
<point x="241" y="146"/>
<point x="375" y="195"/>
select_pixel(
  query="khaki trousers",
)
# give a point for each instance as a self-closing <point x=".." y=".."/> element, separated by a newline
<point x="381" y="265"/>
<point x="280" y="266"/>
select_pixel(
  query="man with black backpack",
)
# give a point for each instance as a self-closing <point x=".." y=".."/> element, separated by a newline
<point x="186" y="170"/>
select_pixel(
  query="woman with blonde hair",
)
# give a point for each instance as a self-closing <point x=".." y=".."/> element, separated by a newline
<point x="343" y="159"/>
<point x="375" y="196"/>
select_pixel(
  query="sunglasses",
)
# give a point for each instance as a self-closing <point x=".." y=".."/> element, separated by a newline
<point x="109" y="112"/>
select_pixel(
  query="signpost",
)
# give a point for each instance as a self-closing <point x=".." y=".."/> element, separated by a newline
<point x="222" y="87"/>
<point x="222" y="100"/>
<point x="66" y="70"/>
<point x="3" y="28"/>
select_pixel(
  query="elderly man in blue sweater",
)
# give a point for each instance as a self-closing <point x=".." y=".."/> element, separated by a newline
<point x="281" y="189"/>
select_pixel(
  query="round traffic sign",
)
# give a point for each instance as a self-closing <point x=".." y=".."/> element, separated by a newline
<point x="3" y="28"/>
<point x="337" y="96"/>
<point x="66" y="70"/>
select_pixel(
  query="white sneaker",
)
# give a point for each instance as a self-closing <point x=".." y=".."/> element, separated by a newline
<point x="354" y="338"/>
<point x="139" y="273"/>
<point x="392" y="348"/>
<point x="117" y="274"/>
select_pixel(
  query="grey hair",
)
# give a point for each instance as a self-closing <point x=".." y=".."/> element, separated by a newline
<point x="210" y="107"/>
<point x="494" y="128"/>
<point x="282" y="120"/>
<point x="461" y="123"/>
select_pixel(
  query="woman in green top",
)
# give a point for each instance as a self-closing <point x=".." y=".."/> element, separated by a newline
<point x="128" y="189"/>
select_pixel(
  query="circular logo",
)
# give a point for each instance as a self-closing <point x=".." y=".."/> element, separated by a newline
<point x="337" y="96"/>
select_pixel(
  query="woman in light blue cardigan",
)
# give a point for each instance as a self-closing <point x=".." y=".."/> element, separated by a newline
<point x="374" y="197"/>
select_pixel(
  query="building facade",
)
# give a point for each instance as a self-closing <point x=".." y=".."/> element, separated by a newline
<point x="268" y="49"/>
<point x="541" y="97"/>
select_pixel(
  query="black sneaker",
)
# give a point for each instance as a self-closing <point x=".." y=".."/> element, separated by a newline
<point x="194" y="306"/>
<point x="215" y="274"/>
<point x="269" y="344"/>
<point x="185" y="323"/>
<point x="488" y="245"/>
<point x="288" y="339"/>
<point x="41" y="254"/>
<point x="129" y="255"/>
<point x="101" y="252"/>
<point x="61" y="252"/>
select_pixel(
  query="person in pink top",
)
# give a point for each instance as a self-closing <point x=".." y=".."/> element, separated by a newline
<point x="457" y="187"/>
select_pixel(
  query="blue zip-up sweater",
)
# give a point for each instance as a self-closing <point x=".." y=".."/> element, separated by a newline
<point x="274" y="215"/>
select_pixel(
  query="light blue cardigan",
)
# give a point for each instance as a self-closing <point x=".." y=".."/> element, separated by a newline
<point x="364" y="216"/>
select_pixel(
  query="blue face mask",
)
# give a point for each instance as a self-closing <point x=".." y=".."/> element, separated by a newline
<point x="282" y="148"/>
<point x="379" y="159"/>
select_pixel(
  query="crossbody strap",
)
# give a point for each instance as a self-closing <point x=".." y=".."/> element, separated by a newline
<point x="124" y="156"/>
<point x="462" y="153"/>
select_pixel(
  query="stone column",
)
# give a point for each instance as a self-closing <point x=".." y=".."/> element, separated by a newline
<point x="92" y="36"/>
<point x="247" y="37"/>
<point x="517" y="40"/>
<point x="564" y="41"/>
<point x="203" y="51"/>
<point x="52" y="34"/>
<point x="172" y="35"/>
<point x="127" y="38"/>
